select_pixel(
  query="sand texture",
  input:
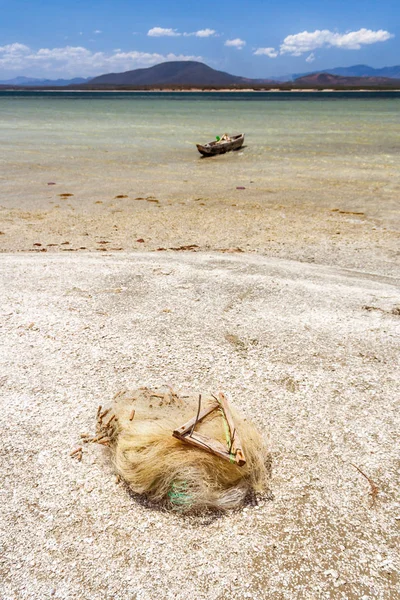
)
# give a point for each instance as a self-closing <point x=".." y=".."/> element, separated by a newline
<point x="359" y="229"/>
<point x="309" y="352"/>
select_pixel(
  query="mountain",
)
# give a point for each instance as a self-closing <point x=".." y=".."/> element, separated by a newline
<point x="356" y="71"/>
<point x="19" y="81"/>
<point x="32" y="82"/>
<point x="198" y="75"/>
<point x="329" y="80"/>
<point x="187" y="73"/>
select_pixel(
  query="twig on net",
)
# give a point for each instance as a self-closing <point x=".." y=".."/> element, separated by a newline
<point x="197" y="416"/>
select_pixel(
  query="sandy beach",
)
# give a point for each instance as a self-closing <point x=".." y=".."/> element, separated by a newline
<point x="271" y="275"/>
<point x="309" y="352"/>
<point x="358" y="230"/>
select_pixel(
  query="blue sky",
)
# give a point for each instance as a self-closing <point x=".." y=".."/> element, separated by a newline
<point x="253" y="38"/>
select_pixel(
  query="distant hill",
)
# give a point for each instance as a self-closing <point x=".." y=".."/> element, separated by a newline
<point x="356" y="71"/>
<point x="32" y="82"/>
<point x="329" y="80"/>
<point x="193" y="74"/>
<point x="188" y="73"/>
<point x="197" y="74"/>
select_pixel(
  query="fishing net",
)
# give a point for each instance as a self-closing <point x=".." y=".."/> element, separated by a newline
<point x="138" y="428"/>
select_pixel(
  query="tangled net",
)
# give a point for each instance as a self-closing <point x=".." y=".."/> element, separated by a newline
<point x="138" y="428"/>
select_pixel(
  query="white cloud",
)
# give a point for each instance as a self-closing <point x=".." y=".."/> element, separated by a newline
<point x="97" y="31"/>
<point x="202" y="33"/>
<point x="353" y="40"/>
<point x="236" y="43"/>
<point x="310" y="58"/>
<point x="162" y="32"/>
<point x="271" y="52"/>
<point x="77" y="60"/>
<point x="306" y="41"/>
<point x="14" y="49"/>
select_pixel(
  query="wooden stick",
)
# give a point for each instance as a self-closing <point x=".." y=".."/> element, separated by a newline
<point x="109" y="421"/>
<point x="205" y="443"/>
<point x="104" y="441"/>
<point x="186" y="433"/>
<point x="132" y="415"/>
<point x="188" y="426"/>
<point x="236" y="446"/>
<point x="104" y="413"/>
<point x="76" y="451"/>
<point x="374" y="488"/>
<point x="98" y="438"/>
<point x="197" y="416"/>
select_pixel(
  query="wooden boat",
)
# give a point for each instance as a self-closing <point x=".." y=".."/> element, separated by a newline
<point x="225" y="144"/>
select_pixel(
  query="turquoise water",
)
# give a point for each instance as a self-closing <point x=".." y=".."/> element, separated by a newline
<point x="147" y="124"/>
<point x="304" y="143"/>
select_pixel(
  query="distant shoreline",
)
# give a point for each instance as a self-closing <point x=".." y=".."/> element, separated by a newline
<point x="196" y="90"/>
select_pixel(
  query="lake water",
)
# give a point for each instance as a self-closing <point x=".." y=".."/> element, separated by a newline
<point x="307" y="147"/>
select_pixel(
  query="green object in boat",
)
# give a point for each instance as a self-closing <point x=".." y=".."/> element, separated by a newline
<point x="217" y="138"/>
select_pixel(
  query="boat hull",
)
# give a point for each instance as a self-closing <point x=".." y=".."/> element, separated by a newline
<point x="215" y="148"/>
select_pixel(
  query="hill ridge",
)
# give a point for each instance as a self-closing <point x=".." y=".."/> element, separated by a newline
<point x="172" y="73"/>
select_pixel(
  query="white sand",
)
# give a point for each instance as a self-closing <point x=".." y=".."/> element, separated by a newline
<point x="300" y="355"/>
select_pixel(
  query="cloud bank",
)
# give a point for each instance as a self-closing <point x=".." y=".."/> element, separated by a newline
<point x="77" y="60"/>
<point x="308" y="41"/>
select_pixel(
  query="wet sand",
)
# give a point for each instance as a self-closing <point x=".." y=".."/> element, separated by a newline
<point x="334" y="232"/>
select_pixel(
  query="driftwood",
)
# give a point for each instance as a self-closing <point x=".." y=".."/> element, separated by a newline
<point x="236" y="446"/>
<point x="184" y="429"/>
<point x="186" y="433"/>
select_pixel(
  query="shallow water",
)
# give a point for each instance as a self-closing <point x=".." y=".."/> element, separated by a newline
<point x="307" y="147"/>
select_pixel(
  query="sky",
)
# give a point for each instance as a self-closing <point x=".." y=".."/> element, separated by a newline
<point x="251" y="38"/>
